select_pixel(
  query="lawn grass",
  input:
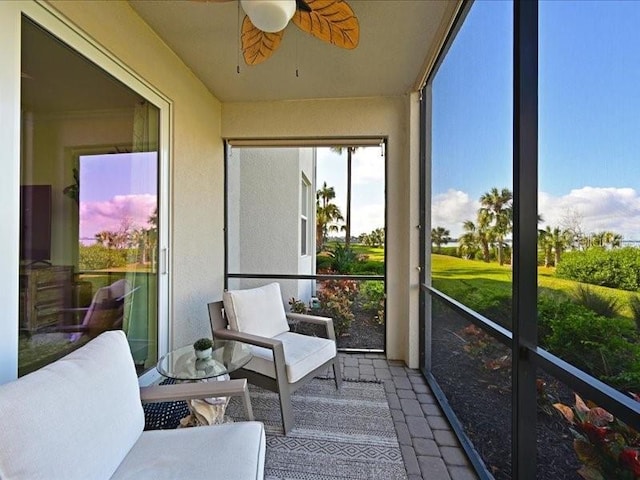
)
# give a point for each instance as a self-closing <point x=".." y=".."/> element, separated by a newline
<point x="457" y="277"/>
<point x="374" y="254"/>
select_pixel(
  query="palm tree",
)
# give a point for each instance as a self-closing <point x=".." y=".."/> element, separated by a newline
<point x="467" y="243"/>
<point x="478" y="235"/>
<point x="545" y="243"/>
<point x="440" y="236"/>
<point x="378" y="237"/>
<point x="598" y="239"/>
<point x="103" y="237"/>
<point x="327" y="214"/>
<point x="347" y="227"/>
<point x="485" y="234"/>
<point x="616" y="240"/>
<point x="612" y="239"/>
<point x="560" y="239"/>
<point x="497" y="204"/>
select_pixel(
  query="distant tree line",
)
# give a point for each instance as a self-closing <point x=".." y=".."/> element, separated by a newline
<point x="485" y="238"/>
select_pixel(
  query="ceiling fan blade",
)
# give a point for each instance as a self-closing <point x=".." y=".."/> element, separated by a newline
<point x="257" y="46"/>
<point x="330" y="20"/>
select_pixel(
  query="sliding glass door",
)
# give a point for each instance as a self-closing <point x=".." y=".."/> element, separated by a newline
<point x="90" y="207"/>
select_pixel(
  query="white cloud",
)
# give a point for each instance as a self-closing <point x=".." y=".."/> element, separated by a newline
<point x="367" y="219"/>
<point x="451" y="209"/>
<point x="368" y="166"/>
<point x="108" y="215"/>
<point x="610" y="208"/>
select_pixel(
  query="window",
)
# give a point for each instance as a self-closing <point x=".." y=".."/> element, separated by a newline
<point x="305" y="202"/>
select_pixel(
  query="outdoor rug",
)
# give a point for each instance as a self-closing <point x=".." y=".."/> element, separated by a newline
<point x="346" y="434"/>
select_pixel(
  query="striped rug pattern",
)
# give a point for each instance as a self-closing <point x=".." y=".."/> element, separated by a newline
<point x="346" y="434"/>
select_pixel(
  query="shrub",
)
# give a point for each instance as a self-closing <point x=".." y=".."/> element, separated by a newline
<point x="634" y="303"/>
<point x="298" y="306"/>
<point x="617" y="268"/>
<point x="607" y="447"/>
<point x="450" y="251"/>
<point x="372" y="297"/>
<point x="336" y="298"/>
<point x="603" y="347"/>
<point x="343" y="259"/>
<point x="553" y="307"/>
<point x="369" y="267"/>
<point x="601" y="304"/>
<point x="98" y="257"/>
<point x="323" y="263"/>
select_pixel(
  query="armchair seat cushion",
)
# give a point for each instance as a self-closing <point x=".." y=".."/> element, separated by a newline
<point x="228" y="451"/>
<point x="302" y="354"/>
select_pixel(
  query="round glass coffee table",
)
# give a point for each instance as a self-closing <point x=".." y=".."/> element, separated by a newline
<point x="183" y="366"/>
<point x="226" y="357"/>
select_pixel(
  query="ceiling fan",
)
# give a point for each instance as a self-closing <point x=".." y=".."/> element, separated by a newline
<point x="332" y="21"/>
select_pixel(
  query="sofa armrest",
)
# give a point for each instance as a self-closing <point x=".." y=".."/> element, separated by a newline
<point x="196" y="390"/>
<point x="190" y="391"/>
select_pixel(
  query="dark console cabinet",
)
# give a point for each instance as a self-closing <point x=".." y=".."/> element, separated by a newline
<point x="45" y="291"/>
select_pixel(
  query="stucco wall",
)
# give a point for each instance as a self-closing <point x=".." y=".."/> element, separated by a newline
<point x="263" y="193"/>
<point x="388" y="117"/>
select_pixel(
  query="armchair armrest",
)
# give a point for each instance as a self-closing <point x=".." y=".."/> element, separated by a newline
<point x="272" y="344"/>
<point x="301" y="317"/>
<point x="256" y="340"/>
<point x="326" y="321"/>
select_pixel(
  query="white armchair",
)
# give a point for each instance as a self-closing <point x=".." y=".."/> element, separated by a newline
<point x="282" y="360"/>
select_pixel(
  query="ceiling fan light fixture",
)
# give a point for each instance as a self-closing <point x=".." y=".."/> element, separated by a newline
<point x="269" y="15"/>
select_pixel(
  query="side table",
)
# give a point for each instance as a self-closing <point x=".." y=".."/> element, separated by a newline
<point x="197" y="374"/>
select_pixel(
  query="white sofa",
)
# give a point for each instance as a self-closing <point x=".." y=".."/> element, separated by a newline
<point x="81" y="418"/>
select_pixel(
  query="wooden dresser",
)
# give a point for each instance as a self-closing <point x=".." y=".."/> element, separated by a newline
<point x="44" y="292"/>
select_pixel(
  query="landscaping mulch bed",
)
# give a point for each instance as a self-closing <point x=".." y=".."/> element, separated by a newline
<point x="365" y="331"/>
<point x="474" y="373"/>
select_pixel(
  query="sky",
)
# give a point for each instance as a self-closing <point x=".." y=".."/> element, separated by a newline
<point x="114" y="187"/>
<point x="589" y="115"/>
<point x="367" y="192"/>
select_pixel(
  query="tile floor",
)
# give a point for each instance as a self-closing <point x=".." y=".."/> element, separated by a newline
<point x="429" y="447"/>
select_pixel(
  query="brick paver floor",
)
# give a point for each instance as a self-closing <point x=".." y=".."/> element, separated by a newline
<point x="429" y="447"/>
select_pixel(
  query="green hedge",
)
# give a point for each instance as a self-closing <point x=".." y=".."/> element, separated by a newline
<point x="450" y="251"/>
<point x="368" y="267"/>
<point x="607" y="348"/>
<point x="97" y="257"/>
<point x="617" y="268"/>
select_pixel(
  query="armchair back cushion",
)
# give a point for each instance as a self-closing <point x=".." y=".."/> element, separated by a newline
<point x="76" y="418"/>
<point x="258" y="311"/>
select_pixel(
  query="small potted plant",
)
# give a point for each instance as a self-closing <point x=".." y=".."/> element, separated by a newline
<point x="203" y="347"/>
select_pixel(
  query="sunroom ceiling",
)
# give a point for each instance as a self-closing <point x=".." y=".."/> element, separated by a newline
<point x="397" y="39"/>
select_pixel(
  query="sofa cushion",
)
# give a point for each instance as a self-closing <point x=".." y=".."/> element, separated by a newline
<point x="229" y="451"/>
<point x="302" y="354"/>
<point x="258" y="311"/>
<point x="75" y="418"/>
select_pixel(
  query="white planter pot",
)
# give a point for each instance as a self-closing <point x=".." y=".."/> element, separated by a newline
<point x="203" y="353"/>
